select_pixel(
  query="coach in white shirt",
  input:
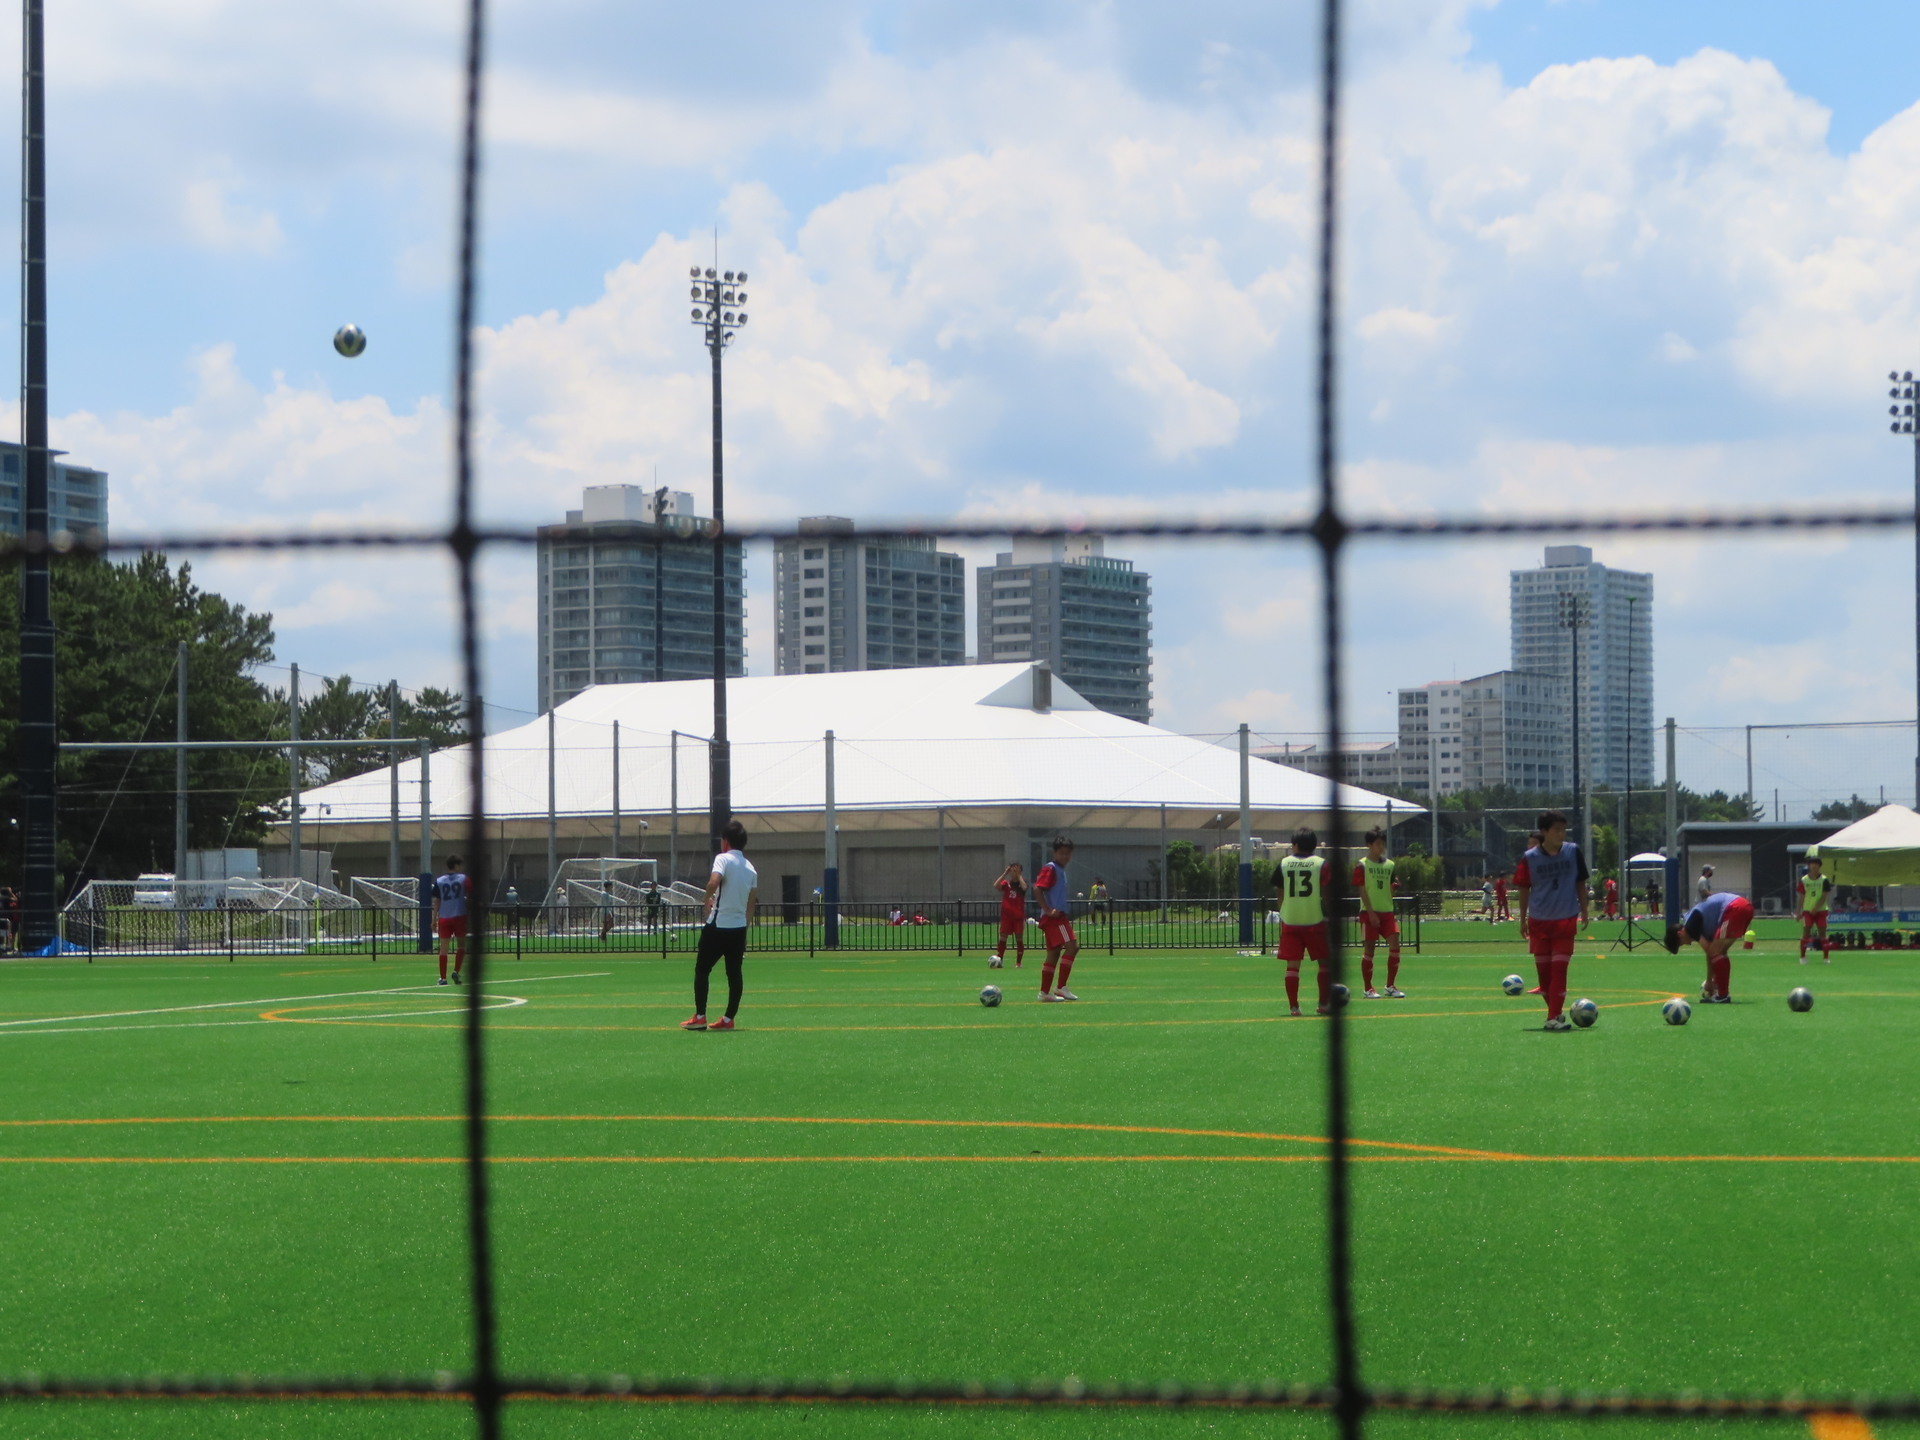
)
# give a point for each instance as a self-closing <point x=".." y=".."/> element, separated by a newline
<point x="732" y="898"/>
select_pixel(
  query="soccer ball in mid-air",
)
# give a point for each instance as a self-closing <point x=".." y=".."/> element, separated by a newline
<point x="350" y="340"/>
<point x="1800" y="999"/>
<point x="1514" y="985"/>
<point x="1676" y="1011"/>
<point x="1340" y="994"/>
<point x="990" y="996"/>
<point x="994" y="962"/>
<point x="1584" y="1012"/>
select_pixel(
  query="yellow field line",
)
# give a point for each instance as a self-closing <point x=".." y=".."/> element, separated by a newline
<point x="1839" y="1427"/>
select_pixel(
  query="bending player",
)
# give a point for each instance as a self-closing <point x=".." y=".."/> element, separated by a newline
<point x="451" y="892"/>
<point x="1373" y="883"/>
<point x="1013" y="916"/>
<point x="1056" y="921"/>
<point x="1301" y="880"/>
<point x="1551" y="880"/>
<point x="1716" y="923"/>
<point x="1815" y="888"/>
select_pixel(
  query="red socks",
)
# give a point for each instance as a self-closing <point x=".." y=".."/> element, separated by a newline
<point x="1046" y="977"/>
<point x="1293" y="986"/>
<point x="1553" y="984"/>
<point x="1720" y="974"/>
<point x="1366" y="971"/>
<point x="443" y="964"/>
<point x="1393" y="966"/>
<point x="1066" y="969"/>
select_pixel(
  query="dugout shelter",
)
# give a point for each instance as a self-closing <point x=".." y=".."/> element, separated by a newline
<point x="942" y="776"/>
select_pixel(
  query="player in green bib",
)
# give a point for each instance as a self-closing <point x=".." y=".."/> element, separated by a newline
<point x="1373" y="883"/>
<point x="1815" y="892"/>
<point x="1301" y="879"/>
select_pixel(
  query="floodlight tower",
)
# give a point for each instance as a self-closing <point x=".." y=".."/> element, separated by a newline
<point x="1576" y="611"/>
<point x="1903" y="394"/>
<point x="718" y="309"/>
<point x="39" y="795"/>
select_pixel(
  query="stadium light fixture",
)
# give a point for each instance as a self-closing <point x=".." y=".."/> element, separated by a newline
<point x="1904" y="394"/>
<point x="716" y="295"/>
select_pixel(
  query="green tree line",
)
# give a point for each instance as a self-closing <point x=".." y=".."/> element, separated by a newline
<point x="118" y="629"/>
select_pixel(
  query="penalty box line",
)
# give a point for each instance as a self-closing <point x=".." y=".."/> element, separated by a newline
<point x="19" y="1026"/>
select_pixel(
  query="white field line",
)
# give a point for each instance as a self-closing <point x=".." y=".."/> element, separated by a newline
<point x="279" y="1000"/>
<point x="506" y="1002"/>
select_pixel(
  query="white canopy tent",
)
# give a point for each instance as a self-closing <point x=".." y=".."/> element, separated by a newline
<point x="1882" y="849"/>
<point x="978" y="739"/>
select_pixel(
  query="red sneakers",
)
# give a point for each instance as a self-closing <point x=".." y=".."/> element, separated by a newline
<point x="698" y="1022"/>
<point x="723" y="1023"/>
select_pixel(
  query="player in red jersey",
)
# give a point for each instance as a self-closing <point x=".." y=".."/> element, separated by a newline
<point x="1500" y="910"/>
<point x="451" y="893"/>
<point x="1056" y="921"/>
<point x="1013" y="916"/>
<point x="1610" y="893"/>
<point x="1715" y="923"/>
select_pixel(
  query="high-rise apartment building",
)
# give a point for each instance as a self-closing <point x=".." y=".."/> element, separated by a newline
<point x="1506" y="728"/>
<point x="1087" y="615"/>
<point x="626" y="594"/>
<point x="847" y="602"/>
<point x="1573" y="604"/>
<point x="76" y="496"/>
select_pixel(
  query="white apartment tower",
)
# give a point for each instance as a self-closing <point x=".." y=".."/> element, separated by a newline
<point x="1573" y="605"/>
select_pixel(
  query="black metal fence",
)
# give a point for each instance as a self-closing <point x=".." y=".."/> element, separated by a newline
<point x="957" y="927"/>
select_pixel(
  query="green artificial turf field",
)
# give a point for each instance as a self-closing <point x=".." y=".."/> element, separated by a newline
<point x="255" y="1167"/>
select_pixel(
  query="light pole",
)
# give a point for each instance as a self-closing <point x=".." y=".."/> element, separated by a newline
<point x="718" y="301"/>
<point x="39" y="740"/>
<point x="1903" y="394"/>
<point x="1575" y="611"/>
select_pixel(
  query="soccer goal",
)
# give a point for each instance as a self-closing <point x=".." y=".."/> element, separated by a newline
<point x="168" y="916"/>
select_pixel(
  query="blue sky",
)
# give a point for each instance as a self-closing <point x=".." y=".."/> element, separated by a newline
<point x="1019" y="259"/>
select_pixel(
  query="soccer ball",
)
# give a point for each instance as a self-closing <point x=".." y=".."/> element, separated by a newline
<point x="350" y="340"/>
<point x="1340" y="995"/>
<point x="1706" y="990"/>
<point x="1800" y="999"/>
<point x="990" y="996"/>
<point x="1514" y="985"/>
<point x="1583" y="1013"/>
<point x="994" y="962"/>
<point x="1676" y="1011"/>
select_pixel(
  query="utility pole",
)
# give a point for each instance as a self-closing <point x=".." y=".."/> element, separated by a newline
<point x="393" y="778"/>
<point x="716" y="297"/>
<point x="830" y="869"/>
<point x="293" y="772"/>
<point x="1246" y="839"/>
<point x="39" y="719"/>
<point x="180" y="776"/>
<point x="1575" y="613"/>
<point x="616" y="789"/>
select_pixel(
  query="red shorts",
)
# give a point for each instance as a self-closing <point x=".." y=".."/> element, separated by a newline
<point x="1058" y="931"/>
<point x="1299" y="940"/>
<point x="1812" y="917"/>
<point x="1012" y="924"/>
<point x="1734" y="920"/>
<point x="1552" y="939"/>
<point x="1375" y="923"/>
<point x="452" y="925"/>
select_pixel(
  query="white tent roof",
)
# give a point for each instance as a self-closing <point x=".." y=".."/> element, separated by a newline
<point x="947" y="737"/>
<point x="1882" y="849"/>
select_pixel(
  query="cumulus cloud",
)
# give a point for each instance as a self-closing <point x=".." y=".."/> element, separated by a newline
<point x="1020" y="260"/>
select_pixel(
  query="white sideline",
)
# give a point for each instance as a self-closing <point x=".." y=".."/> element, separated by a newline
<point x="281" y="1000"/>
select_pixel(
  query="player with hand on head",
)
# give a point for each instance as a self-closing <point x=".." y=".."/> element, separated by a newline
<point x="1815" y="891"/>
<point x="1716" y="923"/>
<point x="1301" y="879"/>
<point x="1373" y="883"/>
<point x="1056" y="921"/>
<point x="1551" y="879"/>
<point x="732" y="898"/>
<point x="1013" y="915"/>
<point x="451" y="892"/>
